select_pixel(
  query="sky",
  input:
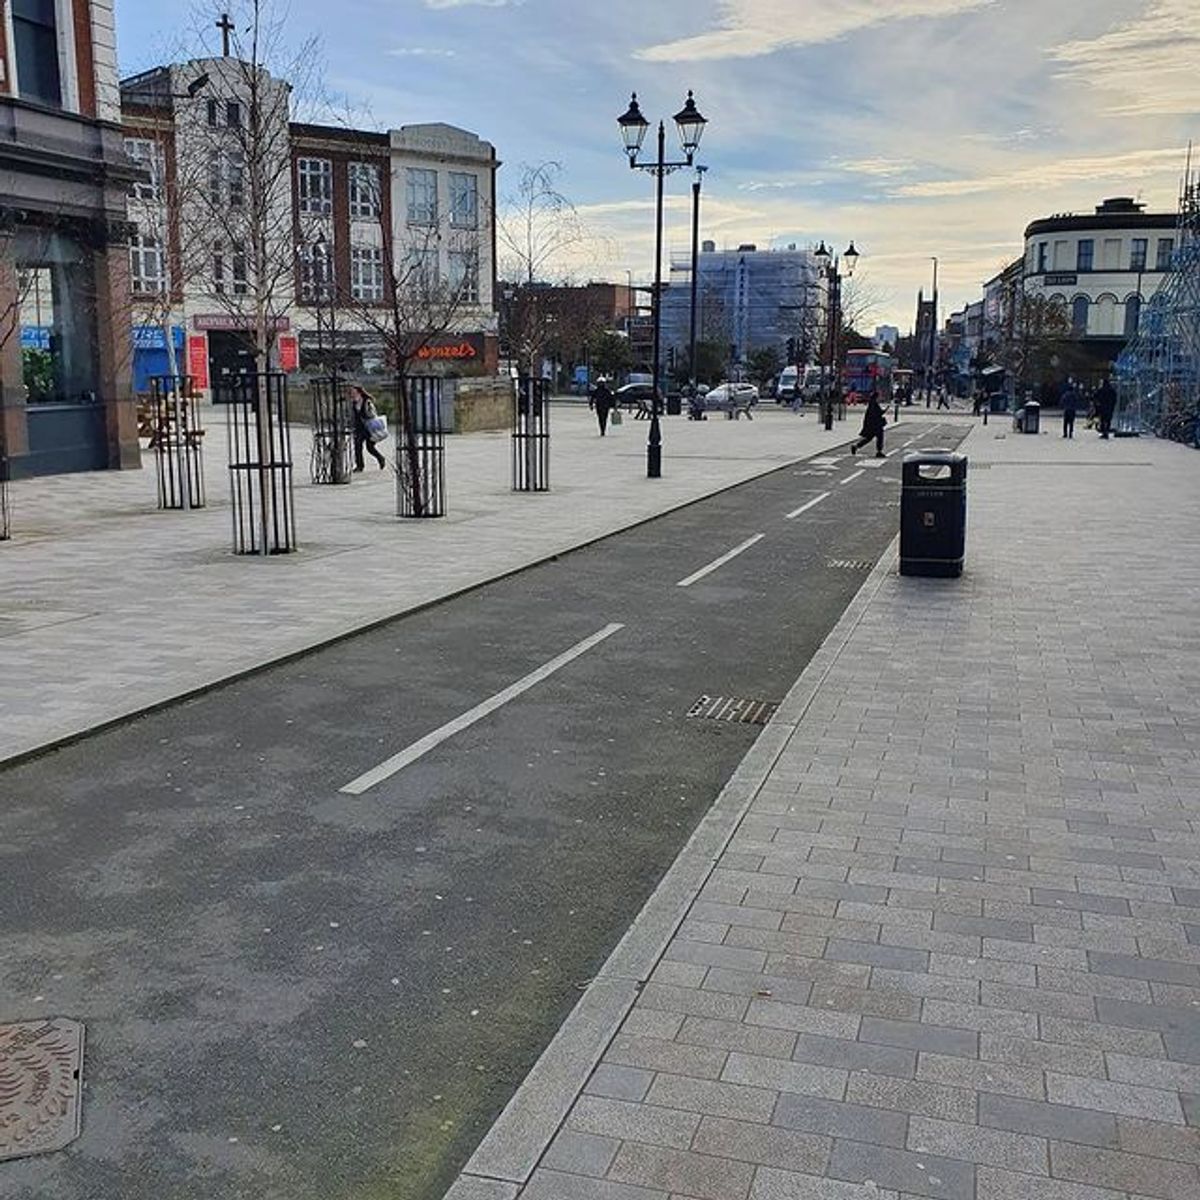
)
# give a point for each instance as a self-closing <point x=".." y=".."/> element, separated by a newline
<point x="915" y="128"/>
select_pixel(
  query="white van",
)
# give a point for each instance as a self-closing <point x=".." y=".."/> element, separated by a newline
<point x="789" y="381"/>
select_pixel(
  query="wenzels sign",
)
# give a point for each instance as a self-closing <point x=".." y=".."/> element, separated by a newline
<point x="465" y="348"/>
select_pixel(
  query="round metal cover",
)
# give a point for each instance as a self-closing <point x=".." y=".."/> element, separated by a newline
<point x="41" y="1068"/>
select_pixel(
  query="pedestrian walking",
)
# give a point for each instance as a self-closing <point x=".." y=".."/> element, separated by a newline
<point x="363" y="413"/>
<point x="874" y="423"/>
<point x="943" y="399"/>
<point x="1070" y="404"/>
<point x="1106" y="405"/>
<point x="602" y="402"/>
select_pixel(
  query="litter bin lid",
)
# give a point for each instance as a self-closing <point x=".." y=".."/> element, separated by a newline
<point x="935" y="454"/>
<point x="1032" y="404"/>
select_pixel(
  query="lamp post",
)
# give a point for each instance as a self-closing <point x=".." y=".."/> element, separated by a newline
<point x="633" y="126"/>
<point x="933" y="323"/>
<point x="830" y="266"/>
<point x="695" y="277"/>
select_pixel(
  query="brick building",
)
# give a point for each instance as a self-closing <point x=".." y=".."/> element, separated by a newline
<point x="65" y="400"/>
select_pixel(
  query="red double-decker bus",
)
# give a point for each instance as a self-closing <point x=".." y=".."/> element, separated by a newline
<point x="866" y="371"/>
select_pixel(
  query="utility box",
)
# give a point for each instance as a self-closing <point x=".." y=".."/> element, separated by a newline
<point x="933" y="513"/>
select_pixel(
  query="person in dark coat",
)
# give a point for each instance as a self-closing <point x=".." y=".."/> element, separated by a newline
<point x="1106" y="405"/>
<point x="1070" y="404"/>
<point x="362" y="410"/>
<point x="602" y="402"/>
<point x="874" y="423"/>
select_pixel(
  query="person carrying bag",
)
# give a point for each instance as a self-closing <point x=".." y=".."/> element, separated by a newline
<point x="369" y="426"/>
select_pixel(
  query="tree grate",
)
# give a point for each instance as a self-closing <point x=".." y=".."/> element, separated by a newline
<point x="733" y="708"/>
<point x="849" y="564"/>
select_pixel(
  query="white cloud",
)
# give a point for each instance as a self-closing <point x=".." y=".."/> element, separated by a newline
<point x="1150" y="61"/>
<point x="749" y="28"/>
<point x="1119" y="168"/>
<point x="882" y="167"/>
<point x="468" y="3"/>
<point x="422" y="52"/>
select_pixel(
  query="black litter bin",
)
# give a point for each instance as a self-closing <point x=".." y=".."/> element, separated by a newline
<point x="933" y="513"/>
<point x="1032" y="422"/>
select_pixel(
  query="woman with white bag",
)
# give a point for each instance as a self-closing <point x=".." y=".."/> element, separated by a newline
<point x="369" y="426"/>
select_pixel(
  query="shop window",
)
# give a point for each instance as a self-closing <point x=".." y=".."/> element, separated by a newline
<point x="57" y="316"/>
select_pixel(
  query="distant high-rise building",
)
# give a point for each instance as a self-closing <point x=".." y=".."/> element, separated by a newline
<point x="746" y="299"/>
<point x="886" y="335"/>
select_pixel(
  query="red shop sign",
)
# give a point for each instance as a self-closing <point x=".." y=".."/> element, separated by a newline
<point x="197" y="360"/>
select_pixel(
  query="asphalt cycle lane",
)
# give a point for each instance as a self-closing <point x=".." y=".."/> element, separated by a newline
<point x="295" y="990"/>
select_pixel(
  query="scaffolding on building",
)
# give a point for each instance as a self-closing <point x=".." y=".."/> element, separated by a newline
<point x="1158" y="373"/>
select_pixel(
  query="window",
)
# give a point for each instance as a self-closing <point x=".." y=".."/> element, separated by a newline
<point x="1085" y="254"/>
<point x="314" y="178"/>
<point x="421" y="268"/>
<point x="366" y="272"/>
<point x="421" y="196"/>
<point x="464" y="276"/>
<point x="226" y="183"/>
<point x="214" y="110"/>
<point x="1079" y="316"/>
<point x="229" y="268"/>
<point x="148" y="155"/>
<point x="1137" y="254"/>
<point x="1041" y="257"/>
<point x="364" y="190"/>
<point x="147" y="266"/>
<point x="1166" y="248"/>
<point x="35" y="39"/>
<point x="315" y="272"/>
<point x="1133" y="313"/>
<point x="464" y="200"/>
<point x="233" y="114"/>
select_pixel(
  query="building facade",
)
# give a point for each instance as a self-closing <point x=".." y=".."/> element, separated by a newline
<point x="331" y="246"/>
<point x="1101" y="268"/>
<point x="746" y="299"/>
<point x="65" y="396"/>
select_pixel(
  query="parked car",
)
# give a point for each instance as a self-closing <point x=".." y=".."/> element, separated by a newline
<point x="636" y="396"/>
<point x="730" y="398"/>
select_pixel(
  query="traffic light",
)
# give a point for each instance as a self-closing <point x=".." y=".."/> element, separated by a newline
<point x="671" y="357"/>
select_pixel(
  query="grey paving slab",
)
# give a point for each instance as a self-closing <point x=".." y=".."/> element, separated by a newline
<point x="988" y="805"/>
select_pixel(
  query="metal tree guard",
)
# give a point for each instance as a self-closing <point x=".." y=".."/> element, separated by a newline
<point x="420" y="447"/>
<point x="260" y="463"/>
<point x="531" y="436"/>
<point x="177" y="444"/>
<point x="330" y="460"/>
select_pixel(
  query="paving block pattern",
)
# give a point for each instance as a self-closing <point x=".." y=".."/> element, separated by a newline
<point x="953" y="947"/>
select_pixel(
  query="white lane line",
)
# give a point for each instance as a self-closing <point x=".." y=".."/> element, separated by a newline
<point x="720" y="562"/>
<point x="805" y="507"/>
<point x="852" y="478"/>
<point x="398" y="762"/>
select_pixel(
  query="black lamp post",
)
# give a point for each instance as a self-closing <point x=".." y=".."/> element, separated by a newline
<point x="692" y="379"/>
<point x="829" y="265"/>
<point x="633" y="125"/>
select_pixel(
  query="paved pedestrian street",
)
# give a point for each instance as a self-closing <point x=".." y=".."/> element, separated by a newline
<point x="108" y="607"/>
<point x="940" y="935"/>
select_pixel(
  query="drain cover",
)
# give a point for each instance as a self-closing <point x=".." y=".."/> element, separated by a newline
<point x="732" y="708"/>
<point x="849" y="564"/>
<point x="40" y="1067"/>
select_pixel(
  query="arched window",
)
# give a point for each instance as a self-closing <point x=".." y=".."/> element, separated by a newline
<point x="1133" y="314"/>
<point x="1106" y="316"/>
<point x="1079" y="316"/>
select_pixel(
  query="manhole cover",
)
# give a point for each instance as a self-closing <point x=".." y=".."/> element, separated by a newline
<point x="733" y="708"/>
<point x="40" y="1067"/>
<point x="849" y="564"/>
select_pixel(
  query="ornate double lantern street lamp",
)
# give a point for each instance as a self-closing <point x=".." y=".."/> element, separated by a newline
<point x="633" y="125"/>
<point x="830" y="266"/>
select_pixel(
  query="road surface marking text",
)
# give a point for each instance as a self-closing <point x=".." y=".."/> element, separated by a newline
<point x="805" y="507"/>
<point x="418" y="749"/>
<point x="720" y="562"/>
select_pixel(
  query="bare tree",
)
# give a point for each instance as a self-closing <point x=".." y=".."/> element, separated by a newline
<point x="536" y="228"/>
